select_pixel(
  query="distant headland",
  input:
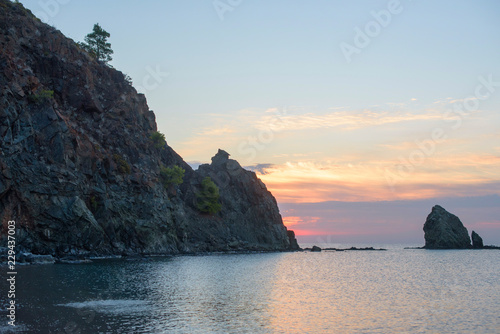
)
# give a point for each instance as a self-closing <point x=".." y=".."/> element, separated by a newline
<point x="85" y="172"/>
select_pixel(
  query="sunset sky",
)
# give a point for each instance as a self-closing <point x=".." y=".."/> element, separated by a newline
<point x="358" y="115"/>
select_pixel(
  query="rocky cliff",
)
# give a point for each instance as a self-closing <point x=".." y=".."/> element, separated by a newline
<point x="80" y="175"/>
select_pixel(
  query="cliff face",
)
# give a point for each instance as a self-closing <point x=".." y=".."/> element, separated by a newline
<point x="250" y="212"/>
<point x="79" y="173"/>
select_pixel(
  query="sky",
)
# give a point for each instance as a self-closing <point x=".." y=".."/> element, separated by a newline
<point x="359" y="116"/>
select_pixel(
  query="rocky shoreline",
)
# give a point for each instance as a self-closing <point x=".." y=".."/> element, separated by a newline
<point x="318" y="249"/>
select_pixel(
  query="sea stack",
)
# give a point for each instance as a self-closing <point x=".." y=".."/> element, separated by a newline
<point x="444" y="230"/>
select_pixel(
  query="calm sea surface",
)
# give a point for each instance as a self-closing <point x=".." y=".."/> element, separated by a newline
<point x="396" y="291"/>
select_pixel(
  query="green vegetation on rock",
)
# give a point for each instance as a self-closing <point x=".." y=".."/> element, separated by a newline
<point x="42" y="97"/>
<point x="93" y="204"/>
<point x="208" y="197"/>
<point x="171" y="176"/>
<point x="158" y="139"/>
<point x="123" y="166"/>
<point x="96" y="43"/>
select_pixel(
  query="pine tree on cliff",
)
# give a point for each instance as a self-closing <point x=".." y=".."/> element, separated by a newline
<point x="96" y="43"/>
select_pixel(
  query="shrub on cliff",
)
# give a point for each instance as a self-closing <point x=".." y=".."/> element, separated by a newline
<point x="41" y="97"/>
<point x="208" y="197"/>
<point x="96" y="43"/>
<point x="94" y="204"/>
<point x="158" y="139"/>
<point x="171" y="176"/>
<point x="123" y="166"/>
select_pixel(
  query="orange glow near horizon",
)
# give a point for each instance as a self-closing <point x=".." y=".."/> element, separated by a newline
<point x="304" y="233"/>
<point x="291" y="221"/>
<point x="303" y="183"/>
<point x="309" y="183"/>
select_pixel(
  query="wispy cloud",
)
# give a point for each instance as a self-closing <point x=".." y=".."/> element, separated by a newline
<point x="345" y="120"/>
<point x="318" y="181"/>
<point x="296" y="220"/>
<point x="216" y="131"/>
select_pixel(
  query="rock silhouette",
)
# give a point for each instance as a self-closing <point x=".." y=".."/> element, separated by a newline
<point x="444" y="230"/>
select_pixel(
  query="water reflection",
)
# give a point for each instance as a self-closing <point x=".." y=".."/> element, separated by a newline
<point x="215" y="294"/>
<point x="413" y="291"/>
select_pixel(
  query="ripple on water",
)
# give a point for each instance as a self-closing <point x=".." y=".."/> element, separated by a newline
<point x="113" y="306"/>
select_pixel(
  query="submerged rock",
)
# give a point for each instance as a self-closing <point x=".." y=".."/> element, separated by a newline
<point x="477" y="241"/>
<point x="444" y="230"/>
<point x="35" y="259"/>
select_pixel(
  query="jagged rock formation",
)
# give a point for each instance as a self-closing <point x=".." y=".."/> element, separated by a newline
<point x="477" y="241"/>
<point x="444" y="230"/>
<point x="79" y="173"/>
<point x="251" y="212"/>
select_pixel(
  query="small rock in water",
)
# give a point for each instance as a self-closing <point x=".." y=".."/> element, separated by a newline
<point x="315" y="249"/>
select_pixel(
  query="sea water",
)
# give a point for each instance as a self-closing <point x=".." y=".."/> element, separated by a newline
<point x="394" y="291"/>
